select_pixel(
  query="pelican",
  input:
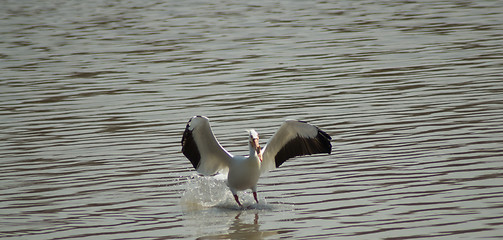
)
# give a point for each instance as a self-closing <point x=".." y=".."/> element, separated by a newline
<point x="294" y="138"/>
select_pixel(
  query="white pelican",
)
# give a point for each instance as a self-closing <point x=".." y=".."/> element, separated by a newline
<point x="293" y="138"/>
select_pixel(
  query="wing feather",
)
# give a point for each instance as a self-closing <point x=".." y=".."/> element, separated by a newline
<point x="201" y="147"/>
<point x="294" y="138"/>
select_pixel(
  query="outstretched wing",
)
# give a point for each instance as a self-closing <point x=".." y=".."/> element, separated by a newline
<point x="201" y="147"/>
<point x="294" y="138"/>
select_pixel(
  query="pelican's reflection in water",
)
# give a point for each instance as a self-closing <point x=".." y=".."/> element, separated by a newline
<point x="242" y="228"/>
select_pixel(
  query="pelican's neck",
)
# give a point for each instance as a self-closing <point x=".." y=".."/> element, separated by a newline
<point x="252" y="150"/>
<point x="253" y="153"/>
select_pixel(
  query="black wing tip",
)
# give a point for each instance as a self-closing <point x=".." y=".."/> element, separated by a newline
<point x="189" y="147"/>
<point x="325" y="141"/>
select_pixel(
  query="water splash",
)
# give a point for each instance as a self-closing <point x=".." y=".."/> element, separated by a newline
<point x="205" y="191"/>
<point x="212" y="192"/>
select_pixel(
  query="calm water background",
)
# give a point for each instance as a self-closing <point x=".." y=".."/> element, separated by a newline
<point x="95" y="96"/>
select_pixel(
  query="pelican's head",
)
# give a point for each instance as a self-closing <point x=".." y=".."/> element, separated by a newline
<point x="254" y="143"/>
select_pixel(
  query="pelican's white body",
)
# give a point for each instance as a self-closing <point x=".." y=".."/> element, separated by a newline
<point x="244" y="173"/>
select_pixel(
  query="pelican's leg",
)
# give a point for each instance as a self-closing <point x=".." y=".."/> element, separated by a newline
<point x="235" y="194"/>
<point x="237" y="200"/>
<point x="254" y="190"/>
<point x="255" y="196"/>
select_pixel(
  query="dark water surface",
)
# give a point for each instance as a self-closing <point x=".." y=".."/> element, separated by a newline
<point x="95" y="96"/>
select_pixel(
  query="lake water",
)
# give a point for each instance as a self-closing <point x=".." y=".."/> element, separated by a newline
<point x="95" y="96"/>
